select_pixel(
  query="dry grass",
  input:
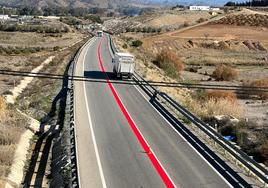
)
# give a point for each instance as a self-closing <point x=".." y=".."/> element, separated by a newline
<point x="214" y="107"/>
<point x="3" y="109"/>
<point x="219" y="94"/>
<point x="209" y="104"/>
<point x="11" y="127"/>
<point x="224" y="73"/>
<point x="7" y="152"/>
<point x="9" y="135"/>
<point x="258" y="83"/>
<point x="2" y="183"/>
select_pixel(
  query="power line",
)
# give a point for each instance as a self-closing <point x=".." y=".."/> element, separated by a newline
<point x="100" y="77"/>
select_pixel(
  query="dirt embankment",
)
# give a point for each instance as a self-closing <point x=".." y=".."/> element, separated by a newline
<point x="37" y="94"/>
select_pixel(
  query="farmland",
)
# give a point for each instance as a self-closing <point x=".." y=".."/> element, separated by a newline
<point x="24" y="52"/>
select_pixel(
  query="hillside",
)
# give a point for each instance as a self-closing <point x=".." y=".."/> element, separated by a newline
<point x="68" y="3"/>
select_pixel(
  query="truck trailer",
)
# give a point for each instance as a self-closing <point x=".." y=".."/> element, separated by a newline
<point x="99" y="33"/>
<point x="123" y="65"/>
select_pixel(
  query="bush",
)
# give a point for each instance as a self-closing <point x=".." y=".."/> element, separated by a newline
<point x="186" y="24"/>
<point x="125" y="46"/>
<point x="200" y="20"/>
<point x="136" y="43"/>
<point x="169" y="62"/>
<point x="56" y="48"/>
<point x="224" y="73"/>
<point x="257" y="83"/>
<point x="264" y="151"/>
<point x="93" y="18"/>
<point x="228" y="130"/>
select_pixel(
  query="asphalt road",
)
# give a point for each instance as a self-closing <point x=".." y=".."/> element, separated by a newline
<point x="110" y="153"/>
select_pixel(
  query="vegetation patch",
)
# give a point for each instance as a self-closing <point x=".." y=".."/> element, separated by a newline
<point x="12" y="124"/>
<point x="169" y="62"/>
<point x="224" y="73"/>
<point x="33" y="28"/>
<point x="136" y="43"/>
<point x="220" y="94"/>
<point x="19" y="50"/>
<point x="259" y="84"/>
<point x="258" y="20"/>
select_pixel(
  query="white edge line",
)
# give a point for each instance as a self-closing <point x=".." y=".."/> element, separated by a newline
<point x="73" y="72"/>
<point x="184" y="138"/>
<point x="92" y="131"/>
<point x="151" y="150"/>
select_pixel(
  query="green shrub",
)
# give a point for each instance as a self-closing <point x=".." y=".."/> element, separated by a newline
<point x="136" y="43"/>
<point x="56" y="48"/>
<point x="19" y="50"/>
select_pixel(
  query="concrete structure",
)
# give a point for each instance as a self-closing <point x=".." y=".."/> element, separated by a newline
<point x="4" y="17"/>
<point x="215" y="9"/>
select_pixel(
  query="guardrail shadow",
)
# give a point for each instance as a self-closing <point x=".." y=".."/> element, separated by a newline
<point x="34" y="177"/>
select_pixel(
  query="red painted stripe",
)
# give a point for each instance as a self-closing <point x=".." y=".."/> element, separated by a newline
<point x="136" y="131"/>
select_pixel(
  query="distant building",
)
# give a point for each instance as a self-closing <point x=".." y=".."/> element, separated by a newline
<point x="26" y="18"/>
<point x="4" y="17"/>
<point x="199" y="7"/>
<point x="214" y="9"/>
<point x="206" y="8"/>
<point x="50" y="17"/>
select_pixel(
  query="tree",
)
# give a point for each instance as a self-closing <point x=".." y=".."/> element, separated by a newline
<point x="230" y="3"/>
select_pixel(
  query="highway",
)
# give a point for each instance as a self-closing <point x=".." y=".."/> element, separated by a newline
<point x="122" y="141"/>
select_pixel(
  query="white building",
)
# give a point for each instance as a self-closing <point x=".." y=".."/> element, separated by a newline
<point x="215" y="9"/>
<point x="199" y="7"/>
<point x="4" y="17"/>
<point x="207" y="8"/>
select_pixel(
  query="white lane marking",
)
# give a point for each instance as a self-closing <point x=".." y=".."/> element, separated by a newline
<point x="184" y="138"/>
<point x="92" y="130"/>
<point x="75" y="133"/>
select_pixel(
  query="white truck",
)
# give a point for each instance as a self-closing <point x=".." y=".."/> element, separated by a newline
<point x="99" y="33"/>
<point x="123" y="65"/>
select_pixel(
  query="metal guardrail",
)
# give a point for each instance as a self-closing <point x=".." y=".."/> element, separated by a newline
<point x="73" y="155"/>
<point x="258" y="170"/>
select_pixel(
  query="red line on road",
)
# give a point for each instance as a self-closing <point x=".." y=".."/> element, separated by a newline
<point x="165" y="178"/>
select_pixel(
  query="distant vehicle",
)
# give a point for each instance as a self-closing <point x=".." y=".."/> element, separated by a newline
<point x="123" y="65"/>
<point x="99" y="33"/>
